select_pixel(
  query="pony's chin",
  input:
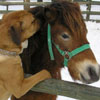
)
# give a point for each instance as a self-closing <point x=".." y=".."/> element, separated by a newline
<point x="84" y="81"/>
<point x="89" y="81"/>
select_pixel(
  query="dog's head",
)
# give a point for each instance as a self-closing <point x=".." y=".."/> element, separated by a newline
<point x="15" y="28"/>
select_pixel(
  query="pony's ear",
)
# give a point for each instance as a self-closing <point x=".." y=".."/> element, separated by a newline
<point x="38" y="13"/>
<point x="50" y="14"/>
<point x="15" y="33"/>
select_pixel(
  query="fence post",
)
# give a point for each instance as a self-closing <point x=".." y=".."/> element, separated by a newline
<point x="7" y="6"/>
<point x="26" y="6"/>
<point x="88" y="9"/>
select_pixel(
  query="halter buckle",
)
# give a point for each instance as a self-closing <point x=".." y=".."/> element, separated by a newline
<point x="67" y="55"/>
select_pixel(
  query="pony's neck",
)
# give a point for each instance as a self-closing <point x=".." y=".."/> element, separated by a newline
<point x="41" y="58"/>
<point x="36" y="57"/>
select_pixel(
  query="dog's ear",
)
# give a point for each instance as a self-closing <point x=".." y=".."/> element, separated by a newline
<point x="15" y="33"/>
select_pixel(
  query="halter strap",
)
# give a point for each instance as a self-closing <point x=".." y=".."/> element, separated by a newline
<point x="64" y="53"/>
<point x="72" y="53"/>
<point x="50" y="43"/>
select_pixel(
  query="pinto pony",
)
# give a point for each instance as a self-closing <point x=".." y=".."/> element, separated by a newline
<point x="68" y="32"/>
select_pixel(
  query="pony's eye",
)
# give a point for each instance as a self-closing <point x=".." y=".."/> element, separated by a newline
<point x="65" y="36"/>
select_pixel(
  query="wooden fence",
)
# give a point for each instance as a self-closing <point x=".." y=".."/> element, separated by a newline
<point x="89" y="12"/>
<point x="27" y="4"/>
<point x="69" y="89"/>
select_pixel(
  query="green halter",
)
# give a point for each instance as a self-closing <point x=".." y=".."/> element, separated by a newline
<point x="64" y="53"/>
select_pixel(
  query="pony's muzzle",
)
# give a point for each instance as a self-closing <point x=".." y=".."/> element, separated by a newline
<point x="91" y="75"/>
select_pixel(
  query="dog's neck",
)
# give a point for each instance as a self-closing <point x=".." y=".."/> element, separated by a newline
<point x="12" y="53"/>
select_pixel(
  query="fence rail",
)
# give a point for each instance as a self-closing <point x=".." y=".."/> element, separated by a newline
<point x="69" y="89"/>
<point x="24" y="3"/>
<point x="88" y="2"/>
<point x="89" y="12"/>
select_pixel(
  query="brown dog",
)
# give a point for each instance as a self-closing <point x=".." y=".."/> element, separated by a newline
<point x="15" y="28"/>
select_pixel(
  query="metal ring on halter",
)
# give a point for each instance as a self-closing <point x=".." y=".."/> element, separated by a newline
<point x="67" y="54"/>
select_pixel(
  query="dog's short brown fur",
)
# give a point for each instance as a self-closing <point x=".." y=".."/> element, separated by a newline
<point x="15" y="28"/>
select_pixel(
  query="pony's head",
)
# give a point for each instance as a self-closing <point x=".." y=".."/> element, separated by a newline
<point x="68" y="31"/>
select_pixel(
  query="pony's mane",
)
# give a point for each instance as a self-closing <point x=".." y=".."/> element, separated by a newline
<point x="69" y="14"/>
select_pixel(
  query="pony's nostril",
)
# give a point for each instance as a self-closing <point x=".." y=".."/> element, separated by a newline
<point x="93" y="74"/>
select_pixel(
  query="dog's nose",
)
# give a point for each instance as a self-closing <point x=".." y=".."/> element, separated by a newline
<point x="92" y="75"/>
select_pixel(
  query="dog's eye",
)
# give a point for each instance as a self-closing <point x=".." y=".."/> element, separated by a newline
<point x="65" y="36"/>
